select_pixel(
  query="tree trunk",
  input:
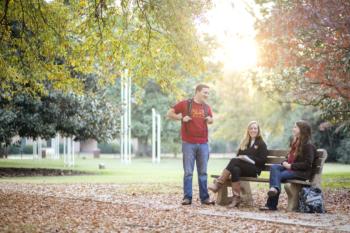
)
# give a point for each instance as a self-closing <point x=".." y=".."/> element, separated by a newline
<point x="142" y="148"/>
<point x="3" y="152"/>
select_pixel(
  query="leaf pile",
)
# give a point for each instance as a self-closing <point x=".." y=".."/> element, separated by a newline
<point x="136" y="208"/>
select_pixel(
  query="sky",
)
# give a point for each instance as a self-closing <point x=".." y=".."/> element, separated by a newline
<point x="233" y="27"/>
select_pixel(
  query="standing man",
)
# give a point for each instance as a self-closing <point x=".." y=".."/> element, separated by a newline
<point x="195" y="115"/>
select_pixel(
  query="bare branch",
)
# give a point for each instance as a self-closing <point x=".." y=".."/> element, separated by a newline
<point x="46" y="22"/>
<point x="3" y="18"/>
<point x="149" y="26"/>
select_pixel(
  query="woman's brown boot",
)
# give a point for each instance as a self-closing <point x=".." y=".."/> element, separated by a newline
<point x="220" y="181"/>
<point x="236" y="199"/>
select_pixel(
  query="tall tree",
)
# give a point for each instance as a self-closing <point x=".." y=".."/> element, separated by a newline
<point x="91" y="116"/>
<point x="153" y="97"/>
<point x="305" y="53"/>
<point x="44" y="44"/>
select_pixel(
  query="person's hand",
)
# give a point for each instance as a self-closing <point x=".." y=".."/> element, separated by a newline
<point x="209" y="119"/>
<point x="286" y="165"/>
<point x="186" y="118"/>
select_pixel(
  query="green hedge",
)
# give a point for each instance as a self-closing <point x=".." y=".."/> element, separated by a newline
<point x="109" y="148"/>
<point x="16" y="149"/>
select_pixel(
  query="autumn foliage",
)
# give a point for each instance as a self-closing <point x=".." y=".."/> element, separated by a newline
<point x="310" y="40"/>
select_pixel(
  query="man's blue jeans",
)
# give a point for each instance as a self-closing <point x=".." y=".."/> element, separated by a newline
<point x="198" y="153"/>
<point x="278" y="174"/>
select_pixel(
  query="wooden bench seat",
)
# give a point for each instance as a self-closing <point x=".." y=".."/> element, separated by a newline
<point x="292" y="187"/>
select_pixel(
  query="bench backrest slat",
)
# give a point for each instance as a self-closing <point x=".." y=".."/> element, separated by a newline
<point x="278" y="153"/>
<point x="274" y="160"/>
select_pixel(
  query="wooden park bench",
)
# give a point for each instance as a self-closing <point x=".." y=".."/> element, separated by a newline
<point x="292" y="187"/>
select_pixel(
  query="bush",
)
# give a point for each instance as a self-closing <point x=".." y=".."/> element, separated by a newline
<point x="343" y="151"/>
<point x="107" y="148"/>
<point x="28" y="149"/>
<point x="15" y="149"/>
<point x="223" y="147"/>
<point x="169" y="148"/>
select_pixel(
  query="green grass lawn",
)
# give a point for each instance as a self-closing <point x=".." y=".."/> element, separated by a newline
<point x="141" y="170"/>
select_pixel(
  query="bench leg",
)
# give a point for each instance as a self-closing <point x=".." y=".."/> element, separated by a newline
<point x="221" y="198"/>
<point x="246" y="193"/>
<point x="292" y="191"/>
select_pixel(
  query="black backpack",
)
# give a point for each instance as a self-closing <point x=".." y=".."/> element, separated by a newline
<point x="311" y="200"/>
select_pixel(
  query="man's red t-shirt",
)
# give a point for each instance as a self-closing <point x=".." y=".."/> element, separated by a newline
<point x="196" y="130"/>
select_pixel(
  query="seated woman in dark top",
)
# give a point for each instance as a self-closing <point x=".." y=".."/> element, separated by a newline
<point x="297" y="166"/>
<point x="250" y="160"/>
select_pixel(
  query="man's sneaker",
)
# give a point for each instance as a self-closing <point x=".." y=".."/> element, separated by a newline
<point x="186" y="202"/>
<point x="208" y="202"/>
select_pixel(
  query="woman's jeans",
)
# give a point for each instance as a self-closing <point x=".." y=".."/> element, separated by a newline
<point x="278" y="174"/>
<point x="198" y="153"/>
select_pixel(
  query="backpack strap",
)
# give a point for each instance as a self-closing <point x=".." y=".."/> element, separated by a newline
<point x="189" y="107"/>
<point x="189" y="113"/>
<point x="206" y="113"/>
<point x="206" y="110"/>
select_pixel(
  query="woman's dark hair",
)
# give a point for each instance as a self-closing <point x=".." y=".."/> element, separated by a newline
<point x="305" y="134"/>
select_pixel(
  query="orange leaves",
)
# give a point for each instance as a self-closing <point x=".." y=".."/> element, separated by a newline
<point x="346" y="41"/>
<point x="313" y="37"/>
<point x="316" y="71"/>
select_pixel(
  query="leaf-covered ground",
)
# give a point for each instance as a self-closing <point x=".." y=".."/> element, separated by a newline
<point x="151" y="208"/>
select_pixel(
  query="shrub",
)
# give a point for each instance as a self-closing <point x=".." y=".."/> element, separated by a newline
<point x="343" y="151"/>
<point x="109" y="148"/>
<point x="15" y="149"/>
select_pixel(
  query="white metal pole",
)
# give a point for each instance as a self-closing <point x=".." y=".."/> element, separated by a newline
<point x="34" y="149"/>
<point x="73" y="153"/>
<point x="125" y="121"/>
<point x="71" y="159"/>
<point x="153" y="135"/>
<point x="64" y="148"/>
<point x="69" y="151"/>
<point x="129" y="117"/>
<point x="53" y="146"/>
<point x="58" y="147"/>
<point x="39" y="148"/>
<point x="69" y="142"/>
<point x="126" y="146"/>
<point x="65" y="151"/>
<point x="125" y="132"/>
<point x="158" y="137"/>
<point x="122" y="120"/>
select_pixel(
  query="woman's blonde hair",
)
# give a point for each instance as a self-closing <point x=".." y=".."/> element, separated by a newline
<point x="246" y="138"/>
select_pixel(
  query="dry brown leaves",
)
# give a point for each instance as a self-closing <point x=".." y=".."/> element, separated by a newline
<point x="122" y="208"/>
